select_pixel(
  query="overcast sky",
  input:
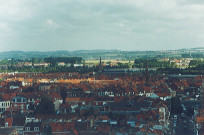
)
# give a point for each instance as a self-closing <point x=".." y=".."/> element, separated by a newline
<point x="48" y="25"/>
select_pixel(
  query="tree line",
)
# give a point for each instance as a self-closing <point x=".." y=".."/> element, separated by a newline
<point x="152" y="63"/>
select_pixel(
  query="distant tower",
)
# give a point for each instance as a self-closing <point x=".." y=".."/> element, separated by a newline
<point x="100" y="66"/>
<point x="146" y="73"/>
<point x="83" y="63"/>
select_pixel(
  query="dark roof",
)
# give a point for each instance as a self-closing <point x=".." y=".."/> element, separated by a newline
<point x="19" y="97"/>
<point x="1" y="122"/>
<point x="7" y="130"/>
<point x="183" y="76"/>
<point x="118" y="105"/>
<point x="81" y="126"/>
<point x="32" y="125"/>
<point x="18" y="121"/>
<point x="93" y="133"/>
<point x="141" y="104"/>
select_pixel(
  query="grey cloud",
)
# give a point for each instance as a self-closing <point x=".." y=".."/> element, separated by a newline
<point x="101" y="24"/>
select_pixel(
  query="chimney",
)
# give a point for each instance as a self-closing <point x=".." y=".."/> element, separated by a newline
<point x="100" y="61"/>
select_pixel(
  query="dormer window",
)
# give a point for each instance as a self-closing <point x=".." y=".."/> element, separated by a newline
<point x="36" y="128"/>
<point x="27" y="128"/>
<point x="83" y="103"/>
<point x="6" y="124"/>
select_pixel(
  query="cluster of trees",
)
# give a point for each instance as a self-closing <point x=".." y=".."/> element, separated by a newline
<point x="50" y="69"/>
<point x="152" y="63"/>
<point x="188" y="55"/>
<point x="45" y="106"/>
<point x="10" y="61"/>
<point x="176" y="107"/>
<point x="194" y="63"/>
<point x="54" y="60"/>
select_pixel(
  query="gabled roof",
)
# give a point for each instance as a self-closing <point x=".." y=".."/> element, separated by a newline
<point x="18" y="121"/>
<point x="62" y="126"/>
<point x="104" y="117"/>
<point x="154" y="96"/>
<point x="81" y="126"/>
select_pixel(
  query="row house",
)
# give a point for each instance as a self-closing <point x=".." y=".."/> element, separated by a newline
<point x="41" y="64"/>
<point x="72" y="104"/>
<point x="24" y="125"/>
<point x="8" y="131"/>
<point x="32" y="128"/>
<point x="44" y="87"/>
<point x="32" y="99"/>
<point x="4" y="104"/>
<point x="107" y="93"/>
<point x="27" y="82"/>
<point x="19" y="103"/>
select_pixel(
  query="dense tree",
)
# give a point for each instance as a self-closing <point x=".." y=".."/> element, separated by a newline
<point x="194" y="63"/>
<point x="45" y="106"/>
<point x="63" y="94"/>
<point x="190" y="111"/>
<point x="48" y="130"/>
<point x="176" y="107"/>
<point x="152" y="63"/>
<point x="54" y="60"/>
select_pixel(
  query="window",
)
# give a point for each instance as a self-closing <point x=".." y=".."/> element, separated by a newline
<point x="36" y="128"/>
<point x="27" y="128"/>
<point x="83" y="103"/>
<point x="22" y="106"/>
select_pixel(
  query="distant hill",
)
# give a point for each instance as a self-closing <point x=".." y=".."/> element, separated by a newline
<point x="38" y="54"/>
<point x="95" y="54"/>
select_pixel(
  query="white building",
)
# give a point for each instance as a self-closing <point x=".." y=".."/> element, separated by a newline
<point x="4" y="105"/>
